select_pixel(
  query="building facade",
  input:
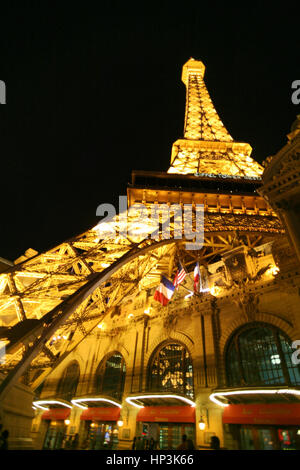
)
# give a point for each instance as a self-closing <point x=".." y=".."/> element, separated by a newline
<point x="111" y="366"/>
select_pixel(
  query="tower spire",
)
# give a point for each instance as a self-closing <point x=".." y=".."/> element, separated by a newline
<point x="201" y="119"/>
<point x="207" y="147"/>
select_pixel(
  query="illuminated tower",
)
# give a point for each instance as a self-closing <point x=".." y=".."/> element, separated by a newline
<point x="87" y="305"/>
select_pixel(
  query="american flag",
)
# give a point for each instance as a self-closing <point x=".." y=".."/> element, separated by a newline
<point x="180" y="275"/>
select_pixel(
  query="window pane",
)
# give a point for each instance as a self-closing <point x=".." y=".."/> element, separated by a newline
<point x="260" y="359"/>
<point x="172" y="371"/>
<point x="110" y="378"/>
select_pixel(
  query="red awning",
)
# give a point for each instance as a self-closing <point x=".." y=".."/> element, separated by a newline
<point x="169" y="414"/>
<point x="56" y="414"/>
<point x="108" y="413"/>
<point x="279" y="413"/>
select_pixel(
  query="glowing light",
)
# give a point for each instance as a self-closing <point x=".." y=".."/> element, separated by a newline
<point x="189" y="295"/>
<point x="215" y="290"/>
<point x="120" y="423"/>
<point x="250" y="392"/>
<point x="130" y="315"/>
<point x="100" y="326"/>
<point x="39" y="404"/>
<point x="140" y="397"/>
<point x="77" y="401"/>
<point x="105" y="265"/>
<point x="273" y="270"/>
<point x="201" y="424"/>
<point x="275" y="359"/>
<point x="67" y="422"/>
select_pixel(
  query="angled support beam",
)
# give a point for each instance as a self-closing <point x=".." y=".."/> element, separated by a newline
<point x="62" y="312"/>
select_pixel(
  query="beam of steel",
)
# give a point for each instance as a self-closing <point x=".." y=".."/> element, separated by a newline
<point x="67" y="307"/>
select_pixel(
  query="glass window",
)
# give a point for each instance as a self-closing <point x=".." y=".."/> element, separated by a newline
<point x="171" y="370"/>
<point x="110" y="377"/>
<point x="260" y="355"/>
<point x="69" y="381"/>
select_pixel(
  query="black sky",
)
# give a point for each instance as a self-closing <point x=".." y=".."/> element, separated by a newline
<point x="94" y="91"/>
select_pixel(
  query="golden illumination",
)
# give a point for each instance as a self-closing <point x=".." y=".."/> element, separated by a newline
<point x="207" y="147"/>
<point x="215" y="290"/>
<point x="272" y="271"/>
<point x="201" y="424"/>
<point x="70" y="277"/>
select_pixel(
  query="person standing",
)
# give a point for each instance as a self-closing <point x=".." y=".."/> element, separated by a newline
<point x="75" y="441"/>
<point x="4" y="437"/>
<point x="184" y="443"/>
<point x="190" y="444"/>
<point x="139" y="444"/>
<point x="215" y="443"/>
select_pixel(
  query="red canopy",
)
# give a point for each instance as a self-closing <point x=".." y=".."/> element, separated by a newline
<point x="108" y="413"/>
<point x="169" y="414"/>
<point x="279" y="413"/>
<point x="56" y="414"/>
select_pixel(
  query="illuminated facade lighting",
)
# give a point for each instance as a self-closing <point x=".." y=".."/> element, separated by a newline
<point x="140" y="397"/>
<point x="77" y="402"/>
<point x="213" y="396"/>
<point x="39" y="404"/>
<point x="189" y="295"/>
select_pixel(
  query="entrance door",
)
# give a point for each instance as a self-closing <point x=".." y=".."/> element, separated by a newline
<point x="269" y="438"/>
<point x="101" y="435"/>
<point x="170" y="435"/>
<point x="54" y="436"/>
<point x="247" y="439"/>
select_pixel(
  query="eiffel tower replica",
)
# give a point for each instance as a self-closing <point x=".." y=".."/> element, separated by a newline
<point x="94" y="289"/>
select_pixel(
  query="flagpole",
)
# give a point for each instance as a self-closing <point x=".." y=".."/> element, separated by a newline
<point x="189" y="274"/>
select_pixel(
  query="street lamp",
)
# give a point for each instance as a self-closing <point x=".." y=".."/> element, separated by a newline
<point x="202" y="424"/>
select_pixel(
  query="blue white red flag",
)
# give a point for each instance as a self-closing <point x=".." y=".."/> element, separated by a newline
<point x="164" y="291"/>
<point x="196" y="278"/>
<point x="180" y="275"/>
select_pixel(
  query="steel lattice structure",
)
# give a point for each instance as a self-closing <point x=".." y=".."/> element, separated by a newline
<point x="68" y="290"/>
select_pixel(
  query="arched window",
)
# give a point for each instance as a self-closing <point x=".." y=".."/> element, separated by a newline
<point x="69" y="381"/>
<point x="260" y="354"/>
<point x="110" y="376"/>
<point x="171" y="370"/>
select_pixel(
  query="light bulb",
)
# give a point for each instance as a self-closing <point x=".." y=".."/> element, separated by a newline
<point x="201" y="424"/>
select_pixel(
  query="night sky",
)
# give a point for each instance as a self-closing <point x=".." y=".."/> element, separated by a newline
<point x="94" y="91"/>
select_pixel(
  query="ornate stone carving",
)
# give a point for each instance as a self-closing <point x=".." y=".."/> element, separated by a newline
<point x="248" y="304"/>
<point x="170" y="321"/>
<point x="284" y="255"/>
